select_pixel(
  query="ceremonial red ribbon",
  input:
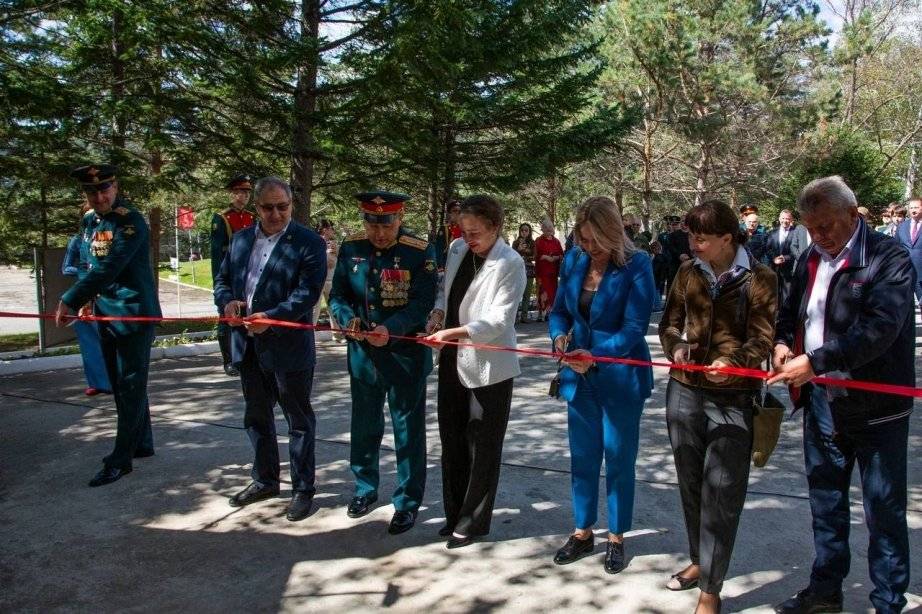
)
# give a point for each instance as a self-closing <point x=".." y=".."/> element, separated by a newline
<point x="907" y="391"/>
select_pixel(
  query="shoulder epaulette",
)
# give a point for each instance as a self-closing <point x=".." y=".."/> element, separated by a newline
<point x="121" y="210"/>
<point x="359" y="236"/>
<point x="413" y="242"/>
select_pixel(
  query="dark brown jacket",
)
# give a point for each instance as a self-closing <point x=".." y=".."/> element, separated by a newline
<point x="738" y="330"/>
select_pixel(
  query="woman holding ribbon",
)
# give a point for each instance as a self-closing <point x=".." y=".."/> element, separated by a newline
<point x="476" y="303"/>
<point x="602" y="310"/>
<point x="720" y="312"/>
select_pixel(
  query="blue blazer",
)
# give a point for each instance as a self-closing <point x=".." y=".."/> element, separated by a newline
<point x="289" y="288"/>
<point x="618" y="322"/>
<point x="903" y="235"/>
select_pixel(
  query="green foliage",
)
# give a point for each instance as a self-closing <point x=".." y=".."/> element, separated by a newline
<point x="850" y="154"/>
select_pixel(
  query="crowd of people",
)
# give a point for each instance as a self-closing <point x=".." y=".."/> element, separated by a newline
<point x="829" y="296"/>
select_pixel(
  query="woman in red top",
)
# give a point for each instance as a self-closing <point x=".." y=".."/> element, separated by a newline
<point x="548" y="253"/>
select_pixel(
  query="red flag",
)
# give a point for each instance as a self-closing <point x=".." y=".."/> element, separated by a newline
<point x="185" y="218"/>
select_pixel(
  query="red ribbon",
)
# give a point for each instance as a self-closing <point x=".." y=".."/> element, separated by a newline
<point x="907" y="391"/>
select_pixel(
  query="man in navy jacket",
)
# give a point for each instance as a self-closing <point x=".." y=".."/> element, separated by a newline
<point x="274" y="270"/>
<point x="849" y="315"/>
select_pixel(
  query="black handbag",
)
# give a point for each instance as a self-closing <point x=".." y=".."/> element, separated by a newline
<point x="554" y="389"/>
<point x="768" y="412"/>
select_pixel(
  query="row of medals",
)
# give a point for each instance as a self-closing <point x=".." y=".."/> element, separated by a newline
<point x="394" y="293"/>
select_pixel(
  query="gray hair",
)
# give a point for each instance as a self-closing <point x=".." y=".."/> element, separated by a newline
<point x="546" y="223"/>
<point x="831" y="191"/>
<point x="267" y="183"/>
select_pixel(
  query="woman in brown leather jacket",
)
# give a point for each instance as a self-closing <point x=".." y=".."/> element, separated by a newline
<point x="720" y="312"/>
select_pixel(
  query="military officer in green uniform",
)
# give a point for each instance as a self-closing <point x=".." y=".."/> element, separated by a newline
<point x="224" y="226"/>
<point x="119" y="282"/>
<point x="383" y="285"/>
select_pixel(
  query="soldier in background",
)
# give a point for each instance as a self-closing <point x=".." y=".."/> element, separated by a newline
<point x="223" y="226"/>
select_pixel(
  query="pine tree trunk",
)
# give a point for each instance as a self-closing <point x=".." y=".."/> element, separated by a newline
<point x="646" y="194"/>
<point x="303" y="150"/>
<point x="552" y="194"/>
<point x="912" y="169"/>
<point x="702" y="170"/>
<point x="119" y="121"/>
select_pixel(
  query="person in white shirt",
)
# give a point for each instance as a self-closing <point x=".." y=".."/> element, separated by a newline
<point x="476" y="303"/>
<point x="849" y="315"/>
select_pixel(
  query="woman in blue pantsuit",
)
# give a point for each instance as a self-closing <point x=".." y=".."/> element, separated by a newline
<point x="94" y="368"/>
<point x="602" y="308"/>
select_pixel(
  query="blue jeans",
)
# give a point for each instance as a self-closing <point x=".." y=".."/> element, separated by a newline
<point x="94" y="367"/>
<point x="830" y="457"/>
<point x="602" y="428"/>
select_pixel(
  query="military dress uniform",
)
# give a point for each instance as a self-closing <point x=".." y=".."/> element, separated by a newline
<point x="223" y="227"/>
<point x="443" y="238"/>
<point x="119" y="281"/>
<point x="395" y="288"/>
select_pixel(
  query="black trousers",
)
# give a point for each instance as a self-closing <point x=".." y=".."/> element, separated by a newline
<point x="291" y="390"/>
<point x="711" y="436"/>
<point x="471" y="448"/>
<point x="127" y="358"/>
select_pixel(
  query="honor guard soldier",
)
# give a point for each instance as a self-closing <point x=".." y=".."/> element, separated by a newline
<point x="119" y="282"/>
<point x="223" y="226"/>
<point x="448" y="232"/>
<point x="384" y="284"/>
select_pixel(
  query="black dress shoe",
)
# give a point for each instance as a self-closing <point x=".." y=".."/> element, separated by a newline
<point x="575" y="549"/>
<point x="359" y="506"/>
<point x="459" y="542"/>
<point x="446" y="531"/>
<point x="256" y="491"/>
<point x="231" y="370"/>
<point x="401" y="521"/>
<point x="139" y="453"/>
<point x="808" y="602"/>
<point x="107" y="475"/>
<point x="614" y="557"/>
<point x="300" y="506"/>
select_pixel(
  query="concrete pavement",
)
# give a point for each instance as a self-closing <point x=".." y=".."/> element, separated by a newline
<point x="18" y="294"/>
<point x="164" y="538"/>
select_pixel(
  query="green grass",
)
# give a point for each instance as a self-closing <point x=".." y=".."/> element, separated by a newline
<point x="201" y="268"/>
<point x="23" y="342"/>
<point x="18" y="342"/>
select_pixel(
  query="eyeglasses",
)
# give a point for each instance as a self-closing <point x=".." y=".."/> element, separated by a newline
<point x="280" y="207"/>
<point x="98" y="187"/>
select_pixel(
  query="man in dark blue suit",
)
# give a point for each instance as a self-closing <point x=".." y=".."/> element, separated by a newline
<point x="909" y="233"/>
<point x="783" y="247"/>
<point x="274" y="270"/>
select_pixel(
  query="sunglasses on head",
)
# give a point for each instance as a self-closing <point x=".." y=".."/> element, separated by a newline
<point x="280" y="207"/>
<point x="97" y="187"/>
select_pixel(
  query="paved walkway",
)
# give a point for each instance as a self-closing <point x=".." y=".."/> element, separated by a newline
<point x="17" y="293"/>
<point x="164" y="538"/>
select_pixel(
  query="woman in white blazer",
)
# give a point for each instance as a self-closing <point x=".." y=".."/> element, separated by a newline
<point x="476" y="304"/>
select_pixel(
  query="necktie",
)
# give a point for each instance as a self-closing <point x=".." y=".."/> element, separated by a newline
<point x="915" y="232"/>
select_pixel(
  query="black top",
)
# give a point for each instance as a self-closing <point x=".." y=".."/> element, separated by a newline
<point x="468" y="268"/>
<point x="585" y="303"/>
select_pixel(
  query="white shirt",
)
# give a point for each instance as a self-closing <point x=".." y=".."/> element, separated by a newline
<point x="259" y="256"/>
<point x="782" y="236"/>
<point x="741" y="260"/>
<point x="815" y="326"/>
